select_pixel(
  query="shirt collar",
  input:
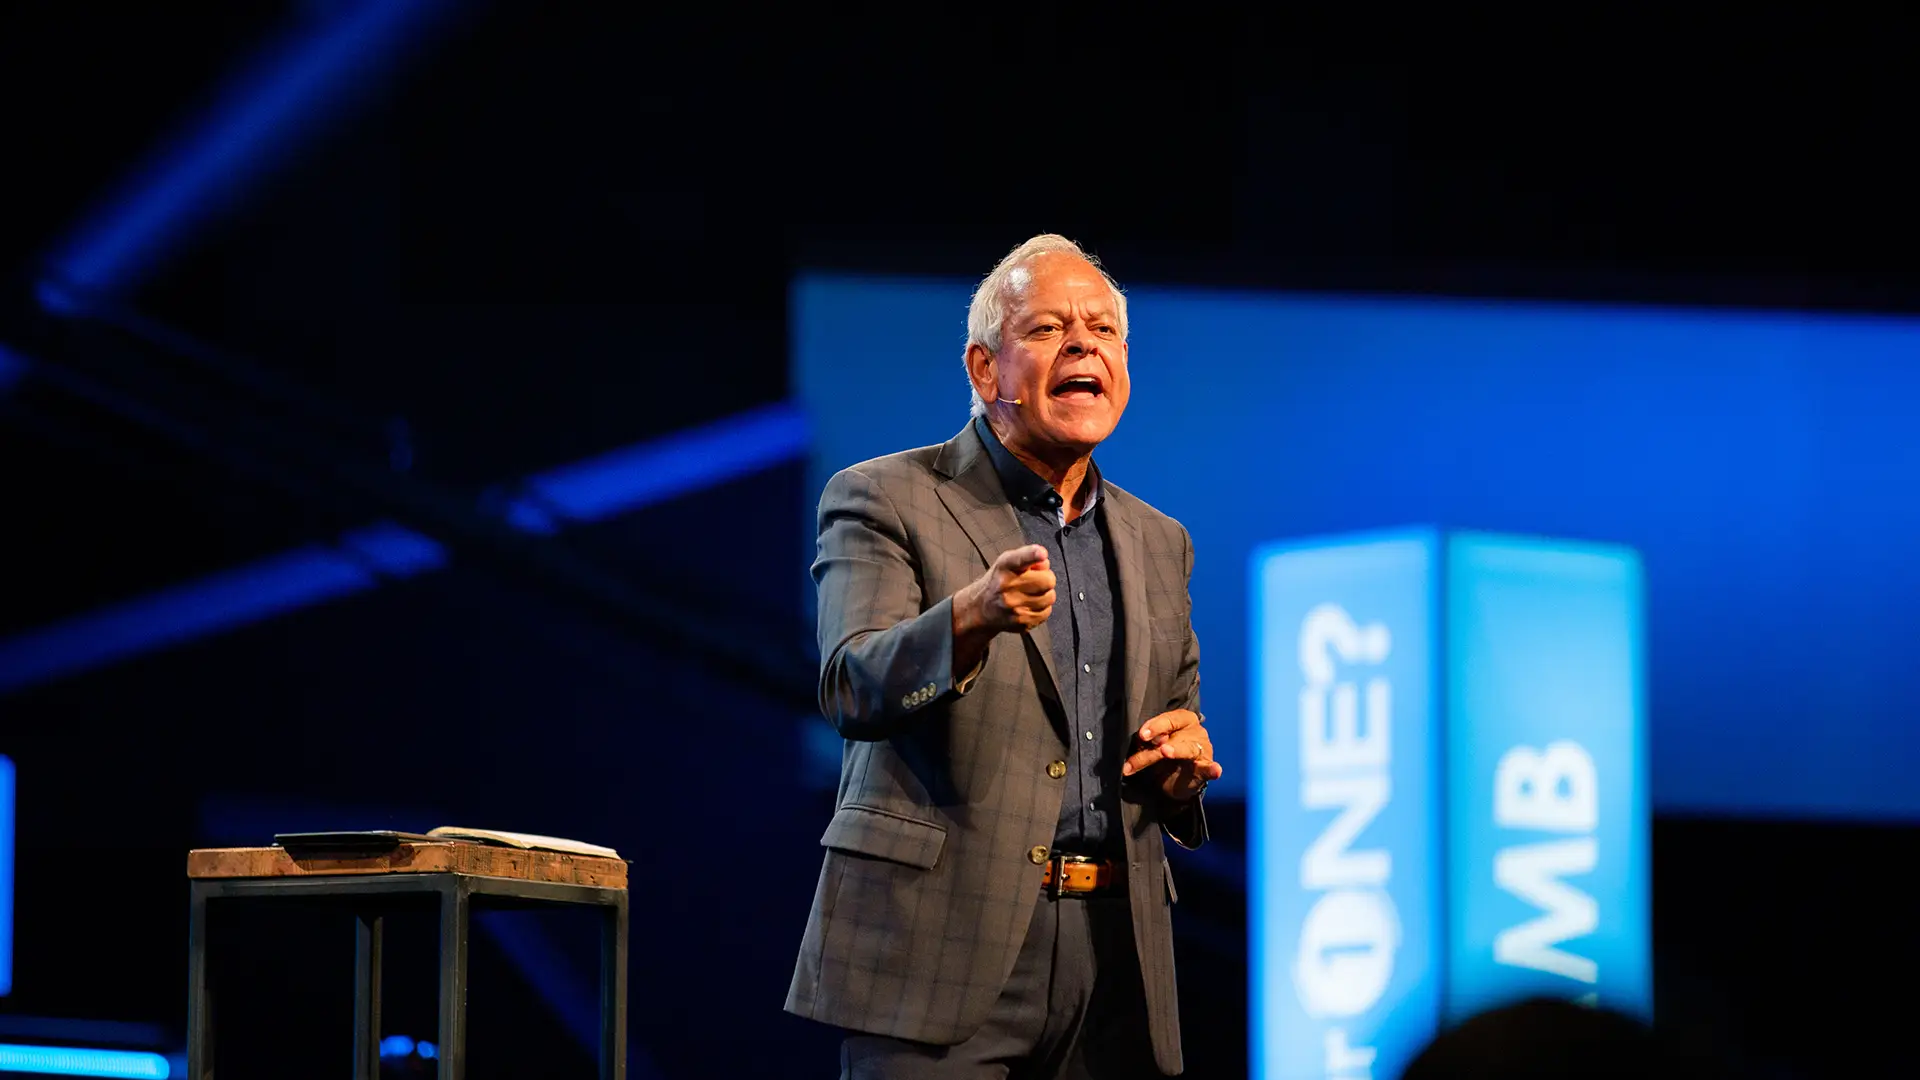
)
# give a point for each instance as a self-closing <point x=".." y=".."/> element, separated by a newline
<point x="1026" y="488"/>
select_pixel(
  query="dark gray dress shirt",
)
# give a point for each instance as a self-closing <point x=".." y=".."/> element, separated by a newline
<point x="1085" y="628"/>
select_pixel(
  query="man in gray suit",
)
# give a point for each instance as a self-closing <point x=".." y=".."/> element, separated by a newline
<point x="1007" y="650"/>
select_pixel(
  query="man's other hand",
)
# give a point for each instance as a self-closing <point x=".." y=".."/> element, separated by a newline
<point x="1178" y="744"/>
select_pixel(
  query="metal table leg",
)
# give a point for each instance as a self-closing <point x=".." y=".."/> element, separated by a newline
<point x="613" y="991"/>
<point x="199" y="992"/>
<point x="455" y="907"/>
<point x="368" y="931"/>
<point x="370" y="898"/>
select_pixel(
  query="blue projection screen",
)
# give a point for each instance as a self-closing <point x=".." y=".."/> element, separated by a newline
<point x="1758" y="462"/>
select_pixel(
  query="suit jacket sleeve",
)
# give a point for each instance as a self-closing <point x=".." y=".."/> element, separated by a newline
<point x="886" y="654"/>
<point x="1186" y="821"/>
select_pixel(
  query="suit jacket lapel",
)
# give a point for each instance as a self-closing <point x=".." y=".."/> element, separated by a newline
<point x="976" y="500"/>
<point x="1124" y="534"/>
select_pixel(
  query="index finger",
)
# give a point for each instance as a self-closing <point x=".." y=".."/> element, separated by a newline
<point x="1019" y="559"/>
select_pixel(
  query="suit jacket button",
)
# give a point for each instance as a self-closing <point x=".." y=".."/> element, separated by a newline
<point x="1038" y="855"/>
<point x="1056" y="769"/>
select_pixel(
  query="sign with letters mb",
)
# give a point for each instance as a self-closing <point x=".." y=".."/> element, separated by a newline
<point x="1449" y="801"/>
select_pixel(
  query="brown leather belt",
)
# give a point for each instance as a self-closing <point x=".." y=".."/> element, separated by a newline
<point x="1077" y="875"/>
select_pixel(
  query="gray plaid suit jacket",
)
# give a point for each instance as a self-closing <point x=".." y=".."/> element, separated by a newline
<point x="945" y="799"/>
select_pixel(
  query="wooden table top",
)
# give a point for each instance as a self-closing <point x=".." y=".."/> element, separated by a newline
<point x="412" y="857"/>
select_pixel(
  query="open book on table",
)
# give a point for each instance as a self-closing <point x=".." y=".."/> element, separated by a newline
<point x="528" y="841"/>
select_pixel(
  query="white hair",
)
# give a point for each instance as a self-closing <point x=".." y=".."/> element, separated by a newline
<point x="987" y="314"/>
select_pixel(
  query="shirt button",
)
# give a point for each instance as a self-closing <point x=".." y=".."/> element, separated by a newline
<point x="1088" y="668"/>
<point x="1083" y="596"/>
<point x="1093" y="808"/>
<point x="1056" y="769"/>
<point x="1089" y="736"/>
<point x="1038" y="855"/>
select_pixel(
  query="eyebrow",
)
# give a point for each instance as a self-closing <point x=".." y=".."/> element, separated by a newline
<point x="1096" y="315"/>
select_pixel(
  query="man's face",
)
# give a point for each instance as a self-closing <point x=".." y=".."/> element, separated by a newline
<point x="1061" y="354"/>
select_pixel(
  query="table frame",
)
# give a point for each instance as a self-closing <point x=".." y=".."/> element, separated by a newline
<point x="458" y="894"/>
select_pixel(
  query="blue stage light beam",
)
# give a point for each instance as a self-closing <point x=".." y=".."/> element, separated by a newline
<point x="80" y="1061"/>
<point x="653" y="472"/>
<point x="588" y="491"/>
<point x="258" y="116"/>
<point x="215" y="603"/>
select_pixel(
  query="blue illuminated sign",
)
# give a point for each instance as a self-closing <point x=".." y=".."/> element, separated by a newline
<point x="1344" y="808"/>
<point x="6" y="875"/>
<point x="1547" y="808"/>
<point x="1536" y="755"/>
<point x="81" y="1061"/>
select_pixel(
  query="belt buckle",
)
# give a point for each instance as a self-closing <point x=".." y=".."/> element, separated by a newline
<point x="1059" y="867"/>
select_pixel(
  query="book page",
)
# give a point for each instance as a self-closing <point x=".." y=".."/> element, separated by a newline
<point x="528" y="841"/>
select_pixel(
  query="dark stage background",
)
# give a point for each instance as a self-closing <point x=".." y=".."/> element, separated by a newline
<point x="277" y="271"/>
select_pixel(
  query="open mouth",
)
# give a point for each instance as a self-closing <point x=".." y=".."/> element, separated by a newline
<point x="1077" y="388"/>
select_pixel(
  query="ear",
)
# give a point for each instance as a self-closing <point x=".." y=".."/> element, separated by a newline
<point x="980" y="372"/>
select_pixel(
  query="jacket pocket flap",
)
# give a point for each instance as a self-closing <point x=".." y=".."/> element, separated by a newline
<point x="884" y="835"/>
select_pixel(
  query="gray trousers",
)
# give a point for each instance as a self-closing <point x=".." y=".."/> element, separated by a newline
<point x="1073" y="1009"/>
